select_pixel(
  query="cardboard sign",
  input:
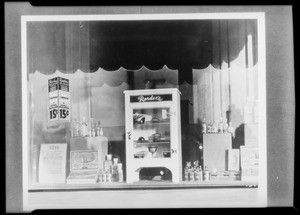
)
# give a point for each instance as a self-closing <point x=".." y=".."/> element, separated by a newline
<point x="52" y="163"/>
<point x="59" y="99"/>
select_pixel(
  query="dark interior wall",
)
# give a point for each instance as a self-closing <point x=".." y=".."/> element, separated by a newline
<point x="280" y="90"/>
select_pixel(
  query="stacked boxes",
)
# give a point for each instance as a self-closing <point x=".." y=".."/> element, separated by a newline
<point x="249" y="163"/>
<point x="59" y="99"/>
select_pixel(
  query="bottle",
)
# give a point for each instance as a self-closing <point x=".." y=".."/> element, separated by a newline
<point x="114" y="169"/>
<point x="107" y="163"/>
<point x="206" y="174"/>
<point x="120" y="173"/>
<point x="214" y="127"/>
<point x="84" y="128"/>
<point x="204" y="127"/>
<point x="90" y="132"/>
<point x="220" y="126"/>
<point x="230" y="129"/>
<point x="225" y="126"/>
<point x="200" y="173"/>
<point x="192" y="174"/>
<point x="209" y="127"/>
<point x="100" y="177"/>
<point x="101" y="132"/>
<point x="93" y="132"/>
<point x="98" y="128"/>
<point x="186" y="171"/>
<point x="196" y="170"/>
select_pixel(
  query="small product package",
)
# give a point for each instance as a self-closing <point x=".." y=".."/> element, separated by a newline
<point x="83" y="166"/>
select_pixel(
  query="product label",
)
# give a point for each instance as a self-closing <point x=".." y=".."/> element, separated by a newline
<point x="151" y="98"/>
<point x="84" y="160"/>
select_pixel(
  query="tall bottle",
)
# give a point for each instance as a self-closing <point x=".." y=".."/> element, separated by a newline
<point x="93" y="131"/>
<point x="98" y="129"/>
<point x="206" y="174"/>
<point x="204" y="127"/>
<point x="84" y="128"/>
<point x="209" y="127"/>
<point x="230" y="129"/>
<point x="200" y="173"/>
<point x="225" y="126"/>
<point x="221" y="125"/>
<point x="120" y="172"/>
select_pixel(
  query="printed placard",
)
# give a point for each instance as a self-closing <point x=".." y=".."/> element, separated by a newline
<point x="52" y="163"/>
<point x="59" y="99"/>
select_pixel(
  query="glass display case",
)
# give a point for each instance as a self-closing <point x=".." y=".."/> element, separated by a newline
<point x="153" y="135"/>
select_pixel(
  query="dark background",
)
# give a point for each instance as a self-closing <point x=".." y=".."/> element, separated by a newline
<point x="280" y="90"/>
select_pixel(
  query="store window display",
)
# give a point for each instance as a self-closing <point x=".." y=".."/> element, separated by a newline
<point x="214" y="75"/>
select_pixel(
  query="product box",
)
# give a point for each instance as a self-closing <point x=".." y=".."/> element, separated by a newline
<point x="83" y="166"/>
<point x="250" y="173"/>
<point x="249" y="156"/>
<point x="251" y="134"/>
<point x="214" y="150"/>
<point x="232" y="159"/>
<point x="59" y="99"/>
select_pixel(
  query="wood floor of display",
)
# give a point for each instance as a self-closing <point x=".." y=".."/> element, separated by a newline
<point x="143" y="185"/>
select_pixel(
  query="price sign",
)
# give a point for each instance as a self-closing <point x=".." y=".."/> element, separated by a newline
<point x="59" y="99"/>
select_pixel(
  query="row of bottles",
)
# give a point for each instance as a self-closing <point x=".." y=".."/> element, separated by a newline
<point x="112" y="171"/>
<point x="81" y="129"/>
<point x="222" y="127"/>
<point x="195" y="173"/>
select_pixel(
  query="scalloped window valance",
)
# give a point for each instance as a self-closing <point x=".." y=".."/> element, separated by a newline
<point x="180" y="46"/>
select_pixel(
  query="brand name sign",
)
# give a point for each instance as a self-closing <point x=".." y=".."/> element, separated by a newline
<point x="151" y="98"/>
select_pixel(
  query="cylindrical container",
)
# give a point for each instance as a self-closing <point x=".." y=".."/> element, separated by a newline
<point x="103" y="177"/>
<point x="206" y="175"/>
<point x="108" y="177"/>
<point x="119" y="166"/>
<point x="192" y="176"/>
<point x="197" y="176"/>
<point x="120" y="176"/>
<point x="186" y="175"/>
<point x="200" y="175"/>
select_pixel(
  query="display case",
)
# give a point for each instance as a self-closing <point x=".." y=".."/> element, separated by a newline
<point x="153" y="135"/>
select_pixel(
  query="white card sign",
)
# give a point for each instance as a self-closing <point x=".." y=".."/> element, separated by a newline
<point x="52" y="163"/>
